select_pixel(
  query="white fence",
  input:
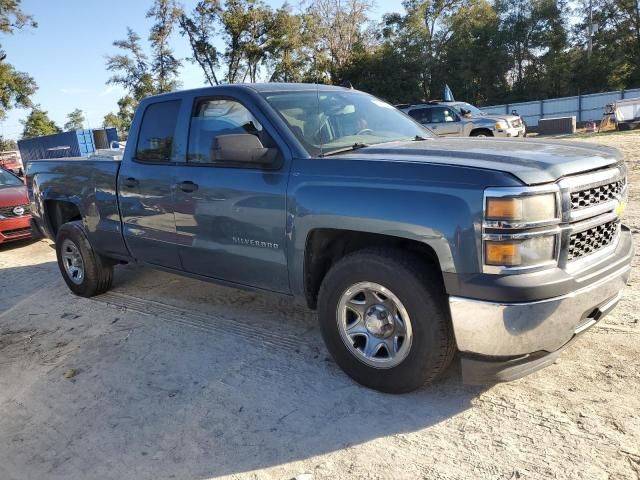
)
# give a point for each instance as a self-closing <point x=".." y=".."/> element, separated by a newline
<point x="584" y="107"/>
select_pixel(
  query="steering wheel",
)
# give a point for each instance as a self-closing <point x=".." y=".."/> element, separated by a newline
<point x="365" y="131"/>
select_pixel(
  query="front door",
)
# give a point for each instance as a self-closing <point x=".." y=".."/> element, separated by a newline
<point x="145" y="188"/>
<point x="230" y="216"/>
<point x="445" y="122"/>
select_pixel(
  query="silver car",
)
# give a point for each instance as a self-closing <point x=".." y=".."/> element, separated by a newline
<point x="461" y="119"/>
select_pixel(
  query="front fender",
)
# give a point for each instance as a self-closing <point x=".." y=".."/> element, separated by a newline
<point x="443" y="214"/>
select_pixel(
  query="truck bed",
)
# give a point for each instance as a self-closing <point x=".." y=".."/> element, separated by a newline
<point x="88" y="184"/>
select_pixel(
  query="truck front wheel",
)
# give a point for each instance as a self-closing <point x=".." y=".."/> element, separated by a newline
<point x="384" y="320"/>
<point x="85" y="271"/>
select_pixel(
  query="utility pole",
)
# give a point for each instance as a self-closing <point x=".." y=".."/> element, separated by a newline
<point x="590" y="48"/>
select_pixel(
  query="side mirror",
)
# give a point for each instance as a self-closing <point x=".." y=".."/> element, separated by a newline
<point x="242" y="148"/>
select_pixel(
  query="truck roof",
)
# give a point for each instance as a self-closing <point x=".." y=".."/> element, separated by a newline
<point x="261" y="87"/>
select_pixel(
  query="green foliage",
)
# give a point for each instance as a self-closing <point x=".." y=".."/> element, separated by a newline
<point x="7" y="144"/>
<point x="13" y="18"/>
<point x="138" y="74"/>
<point x="499" y="51"/>
<point x="16" y="88"/>
<point x="122" y="120"/>
<point x="164" y="65"/>
<point x="38" y="124"/>
<point x="131" y="69"/>
<point x="75" y="120"/>
<point x="200" y="29"/>
<point x="488" y="51"/>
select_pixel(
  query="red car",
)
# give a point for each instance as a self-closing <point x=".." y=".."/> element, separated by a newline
<point x="15" y="209"/>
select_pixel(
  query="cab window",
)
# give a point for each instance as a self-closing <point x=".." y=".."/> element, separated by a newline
<point x="157" y="131"/>
<point x="220" y="116"/>
<point x="443" y="115"/>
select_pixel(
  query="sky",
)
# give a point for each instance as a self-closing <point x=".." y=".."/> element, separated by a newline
<point x="66" y="54"/>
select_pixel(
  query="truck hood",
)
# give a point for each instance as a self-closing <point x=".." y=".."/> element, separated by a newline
<point x="12" y="196"/>
<point x="494" y="117"/>
<point x="532" y="161"/>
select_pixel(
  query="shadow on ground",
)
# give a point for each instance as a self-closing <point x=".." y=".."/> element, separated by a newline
<point x="176" y="378"/>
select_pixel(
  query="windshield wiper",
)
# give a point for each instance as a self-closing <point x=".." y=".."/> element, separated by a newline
<point x="418" y="138"/>
<point x="355" y="146"/>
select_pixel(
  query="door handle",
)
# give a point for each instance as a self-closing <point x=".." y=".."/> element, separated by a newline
<point x="188" y="186"/>
<point x="131" y="182"/>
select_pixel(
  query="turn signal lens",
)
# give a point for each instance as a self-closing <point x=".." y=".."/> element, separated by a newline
<point x="520" y="253"/>
<point x="504" y="208"/>
<point x="502" y="253"/>
<point x="500" y="126"/>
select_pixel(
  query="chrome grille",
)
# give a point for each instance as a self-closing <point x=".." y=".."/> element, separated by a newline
<point x="591" y="240"/>
<point x="596" y="195"/>
<point x="8" y="211"/>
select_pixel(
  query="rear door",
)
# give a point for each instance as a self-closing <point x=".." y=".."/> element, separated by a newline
<point x="146" y="184"/>
<point x="230" y="216"/>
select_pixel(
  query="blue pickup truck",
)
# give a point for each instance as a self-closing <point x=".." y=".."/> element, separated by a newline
<point x="410" y="247"/>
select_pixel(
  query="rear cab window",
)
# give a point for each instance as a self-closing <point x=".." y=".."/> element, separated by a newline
<point x="157" y="132"/>
<point x="421" y="115"/>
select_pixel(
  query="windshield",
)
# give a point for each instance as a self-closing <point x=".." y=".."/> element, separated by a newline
<point x="327" y="121"/>
<point x="8" y="179"/>
<point x="458" y="107"/>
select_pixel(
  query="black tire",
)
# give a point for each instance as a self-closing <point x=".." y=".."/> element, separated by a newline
<point x="630" y="125"/>
<point x="481" y="133"/>
<point x="419" y="287"/>
<point x="98" y="271"/>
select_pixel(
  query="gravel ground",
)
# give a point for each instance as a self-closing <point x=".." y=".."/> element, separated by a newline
<point x="166" y="377"/>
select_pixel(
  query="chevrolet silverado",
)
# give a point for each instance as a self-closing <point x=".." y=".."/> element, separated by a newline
<point x="410" y="247"/>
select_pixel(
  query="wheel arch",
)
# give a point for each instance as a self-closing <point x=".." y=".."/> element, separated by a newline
<point x="326" y="246"/>
<point x="58" y="212"/>
<point x="478" y="130"/>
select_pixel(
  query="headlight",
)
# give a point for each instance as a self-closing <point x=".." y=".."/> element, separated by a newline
<point x="520" y="228"/>
<point x="523" y="209"/>
<point x="529" y="252"/>
<point x="501" y="126"/>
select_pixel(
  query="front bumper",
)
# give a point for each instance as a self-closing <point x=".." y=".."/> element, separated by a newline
<point x="510" y="132"/>
<point x="496" y="336"/>
<point x="12" y="229"/>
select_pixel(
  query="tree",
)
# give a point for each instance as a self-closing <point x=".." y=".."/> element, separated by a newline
<point x="534" y="36"/>
<point x="131" y="69"/>
<point x="38" y="124"/>
<point x="260" y="43"/>
<point x="474" y="61"/>
<point x="122" y="120"/>
<point x="200" y="29"/>
<point x="139" y="75"/>
<point x="7" y="144"/>
<point x="615" y="61"/>
<point x="76" y="120"/>
<point x="339" y="28"/>
<point x="245" y="26"/>
<point x="16" y="88"/>
<point x="290" y="51"/>
<point x="164" y="65"/>
<point x="111" y="120"/>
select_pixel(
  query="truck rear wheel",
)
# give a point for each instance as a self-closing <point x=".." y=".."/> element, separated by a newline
<point x="85" y="271"/>
<point x="384" y="320"/>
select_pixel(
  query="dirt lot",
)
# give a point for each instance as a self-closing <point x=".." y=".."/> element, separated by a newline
<point x="166" y="377"/>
